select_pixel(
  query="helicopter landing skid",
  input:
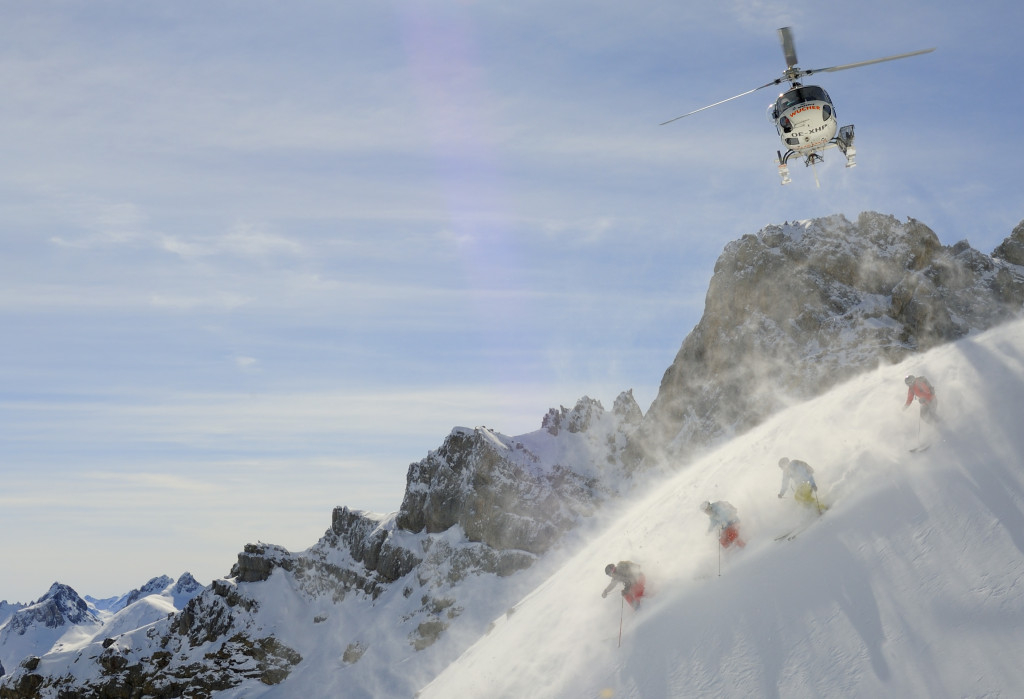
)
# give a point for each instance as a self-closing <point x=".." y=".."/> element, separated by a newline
<point x="844" y="140"/>
<point x="780" y="162"/>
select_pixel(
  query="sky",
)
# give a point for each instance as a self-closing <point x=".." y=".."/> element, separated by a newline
<point x="257" y="259"/>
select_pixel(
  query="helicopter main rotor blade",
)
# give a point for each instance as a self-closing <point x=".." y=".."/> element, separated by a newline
<point x="742" y="94"/>
<point x="866" y="63"/>
<point x="788" y="47"/>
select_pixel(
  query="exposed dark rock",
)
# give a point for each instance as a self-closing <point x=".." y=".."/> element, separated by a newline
<point x="1012" y="249"/>
<point x="796" y="309"/>
<point x="153" y="587"/>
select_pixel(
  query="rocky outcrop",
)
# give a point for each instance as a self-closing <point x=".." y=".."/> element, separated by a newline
<point x="798" y="308"/>
<point x="500" y="493"/>
<point x="1012" y="249"/>
<point x="60" y="606"/>
<point x="154" y="587"/>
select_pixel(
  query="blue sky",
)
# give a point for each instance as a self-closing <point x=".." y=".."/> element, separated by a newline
<point x="258" y="257"/>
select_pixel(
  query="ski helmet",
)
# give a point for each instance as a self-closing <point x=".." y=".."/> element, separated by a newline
<point x="705" y="506"/>
<point x="783" y="462"/>
<point x="609" y="569"/>
<point x="909" y="380"/>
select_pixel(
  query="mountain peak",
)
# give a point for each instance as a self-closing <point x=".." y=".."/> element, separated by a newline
<point x="798" y="308"/>
<point x="60" y="606"/>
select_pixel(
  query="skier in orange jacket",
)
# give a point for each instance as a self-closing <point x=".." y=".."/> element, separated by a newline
<point x="919" y="387"/>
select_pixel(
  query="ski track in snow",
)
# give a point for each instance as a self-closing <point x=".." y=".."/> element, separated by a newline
<point x="911" y="585"/>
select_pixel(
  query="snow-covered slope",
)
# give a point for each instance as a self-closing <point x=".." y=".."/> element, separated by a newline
<point x="912" y="584"/>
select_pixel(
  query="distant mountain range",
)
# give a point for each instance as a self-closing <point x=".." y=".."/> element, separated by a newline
<point x="61" y="620"/>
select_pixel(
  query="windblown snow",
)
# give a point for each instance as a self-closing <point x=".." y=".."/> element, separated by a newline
<point x="909" y="585"/>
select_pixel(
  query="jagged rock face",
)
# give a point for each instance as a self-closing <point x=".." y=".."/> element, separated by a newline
<point x="1012" y="249"/>
<point x="60" y="606"/>
<point x="627" y="410"/>
<point x="153" y="587"/>
<point x="371" y="544"/>
<point x="186" y="585"/>
<point x="798" y="308"/>
<point x="497" y="493"/>
<point x="7" y="610"/>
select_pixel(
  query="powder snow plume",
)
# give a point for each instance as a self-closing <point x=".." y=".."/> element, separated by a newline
<point x="909" y="585"/>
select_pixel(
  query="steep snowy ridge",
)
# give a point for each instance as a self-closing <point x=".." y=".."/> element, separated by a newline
<point x="912" y="584"/>
<point x="800" y="307"/>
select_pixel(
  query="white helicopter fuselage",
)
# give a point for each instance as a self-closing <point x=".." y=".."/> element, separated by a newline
<point x="804" y="115"/>
<point x="805" y="119"/>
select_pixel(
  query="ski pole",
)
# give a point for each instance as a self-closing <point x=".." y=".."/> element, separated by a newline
<point x="622" y="607"/>
<point x="719" y="552"/>
<point x="816" y="502"/>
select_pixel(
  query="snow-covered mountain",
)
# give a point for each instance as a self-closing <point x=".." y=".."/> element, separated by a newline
<point x="910" y="585"/>
<point x="380" y="599"/>
<point x="61" y="621"/>
<point x="178" y="592"/>
<point x="384" y="603"/>
<point x="38" y="627"/>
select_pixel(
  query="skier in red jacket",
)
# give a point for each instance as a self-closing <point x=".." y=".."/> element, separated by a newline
<point x="919" y="387"/>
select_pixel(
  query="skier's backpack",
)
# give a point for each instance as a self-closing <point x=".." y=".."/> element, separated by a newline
<point x="928" y="386"/>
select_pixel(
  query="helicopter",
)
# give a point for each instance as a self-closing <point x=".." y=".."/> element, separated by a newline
<point x="804" y="115"/>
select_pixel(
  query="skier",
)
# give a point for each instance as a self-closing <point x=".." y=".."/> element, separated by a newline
<point x="723" y="517"/>
<point x="802" y="476"/>
<point x="919" y="387"/>
<point x="632" y="579"/>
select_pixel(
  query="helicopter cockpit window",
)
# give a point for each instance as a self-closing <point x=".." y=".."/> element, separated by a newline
<point x="813" y="92"/>
<point x="800" y="95"/>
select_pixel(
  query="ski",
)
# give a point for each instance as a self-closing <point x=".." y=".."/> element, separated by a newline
<point x="792" y="533"/>
<point x="918" y="450"/>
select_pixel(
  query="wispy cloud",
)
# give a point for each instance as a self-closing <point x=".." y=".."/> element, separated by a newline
<point x="335" y="231"/>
